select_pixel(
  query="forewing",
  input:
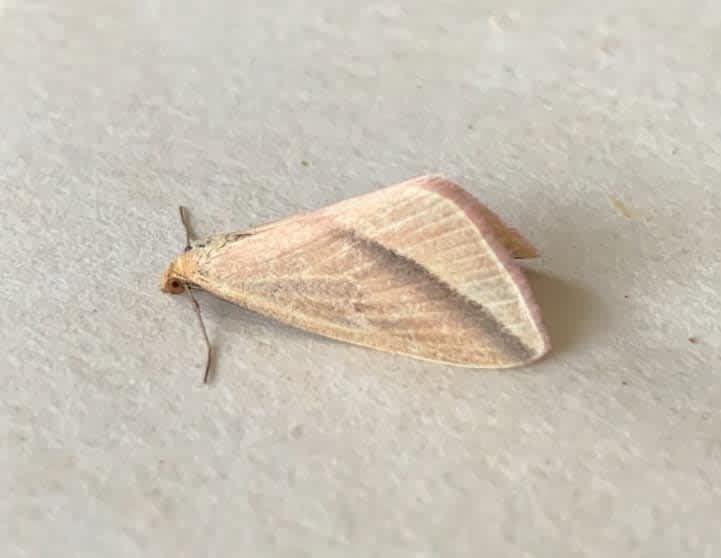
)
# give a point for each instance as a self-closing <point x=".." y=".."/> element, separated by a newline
<point x="416" y="269"/>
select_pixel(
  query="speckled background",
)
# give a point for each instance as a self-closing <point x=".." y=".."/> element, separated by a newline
<point x="593" y="126"/>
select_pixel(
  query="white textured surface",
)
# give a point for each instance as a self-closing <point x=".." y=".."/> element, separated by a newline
<point x="114" y="112"/>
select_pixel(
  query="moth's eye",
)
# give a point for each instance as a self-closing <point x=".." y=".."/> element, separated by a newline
<point x="175" y="285"/>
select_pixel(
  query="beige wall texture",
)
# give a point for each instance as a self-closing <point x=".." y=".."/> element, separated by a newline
<point x="595" y="127"/>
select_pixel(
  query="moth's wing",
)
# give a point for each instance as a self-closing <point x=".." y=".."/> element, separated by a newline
<point x="512" y="240"/>
<point x="416" y="269"/>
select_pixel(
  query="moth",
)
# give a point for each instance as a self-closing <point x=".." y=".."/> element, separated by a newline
<point x="420" y="269"/>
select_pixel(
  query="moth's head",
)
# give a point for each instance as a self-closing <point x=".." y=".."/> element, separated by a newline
<point x="174" y="279"/>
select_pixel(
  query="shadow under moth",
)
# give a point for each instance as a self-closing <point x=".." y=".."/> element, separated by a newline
<point x="420" y="269"/>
